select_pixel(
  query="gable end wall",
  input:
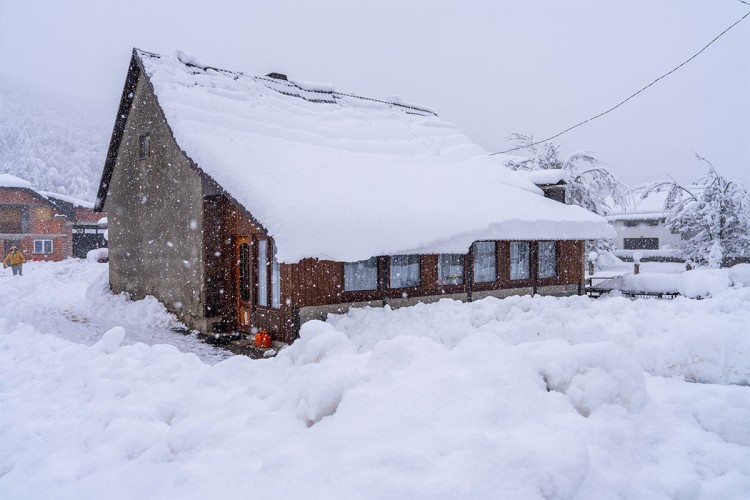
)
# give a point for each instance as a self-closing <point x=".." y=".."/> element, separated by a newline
<point x="155" y="211"/>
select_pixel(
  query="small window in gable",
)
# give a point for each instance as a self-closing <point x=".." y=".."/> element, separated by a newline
<point x="144" y="146"/>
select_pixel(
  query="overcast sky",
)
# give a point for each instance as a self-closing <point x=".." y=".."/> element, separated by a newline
<point x="492" y="68"/>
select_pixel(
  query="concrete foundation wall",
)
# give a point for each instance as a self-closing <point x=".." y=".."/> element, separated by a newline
<point x="155" y="211"/>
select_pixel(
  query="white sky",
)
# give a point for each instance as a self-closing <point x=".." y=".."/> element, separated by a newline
<point x="492" y="68"/>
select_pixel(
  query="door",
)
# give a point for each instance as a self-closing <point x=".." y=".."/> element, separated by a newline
<point x="242" y="277"/>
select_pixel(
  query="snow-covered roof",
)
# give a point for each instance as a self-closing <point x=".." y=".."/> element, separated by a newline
<point x="336" y="176"/>
<point x="11" y="181"/>
<point x="549" y="176"/>
<point x="649" y="207"/>
<point x="70" y="199"/>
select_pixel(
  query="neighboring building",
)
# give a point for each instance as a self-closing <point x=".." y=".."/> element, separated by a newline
<point x="643" y="229"/>
<point x="246" y="202"/>
<point x="46" y="226"/>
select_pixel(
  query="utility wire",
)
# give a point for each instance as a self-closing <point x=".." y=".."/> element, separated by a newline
<point x="632" y="96"/>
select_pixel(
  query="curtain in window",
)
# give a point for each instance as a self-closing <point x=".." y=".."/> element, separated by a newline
<point x="362" y="275"/>
<point x="275" y="278"/>
<point x="404" y="271"/>
<point x="263" y="273"/>
<point x="485" y="262"/>
<point x="519" y="260"/>
<point x="450" y="269"/>
<point x="547" y="259"/>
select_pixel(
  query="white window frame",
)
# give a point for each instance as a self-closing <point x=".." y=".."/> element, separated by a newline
<point x="43" y="244"/>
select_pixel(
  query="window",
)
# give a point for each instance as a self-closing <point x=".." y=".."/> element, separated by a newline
<point x="641" y="243"/>
<point x="519" y="260"/>
<point x="404" y="271"/>
<point x="42" y="246"/>
<point x="652" y="222"/>
<point x="547" y="259"/>
<point x="11" y="219"/>
<point x="268" y="267"/>
<point x="630" y="223"/>
<point x="485" y="261"/>
<point x="275" y="278"/>
<point x="144" y="146"/>
<point x="245" y="271"/>
<point x="451" y="269"/>
<point x="361" y="275"/>
<point x="263" y="273"/>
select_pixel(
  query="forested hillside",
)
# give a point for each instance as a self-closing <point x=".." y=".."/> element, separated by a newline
<point x="55" y="142"/>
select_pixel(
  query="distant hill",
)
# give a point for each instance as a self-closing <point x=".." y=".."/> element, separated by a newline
<point x="56" y="143"/>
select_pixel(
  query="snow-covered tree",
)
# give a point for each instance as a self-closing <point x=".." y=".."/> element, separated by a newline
<point x="712" y="215"/>
<point x="589" y="184"/>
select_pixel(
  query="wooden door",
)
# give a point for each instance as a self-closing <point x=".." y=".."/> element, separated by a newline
<point x="243" y="258"/>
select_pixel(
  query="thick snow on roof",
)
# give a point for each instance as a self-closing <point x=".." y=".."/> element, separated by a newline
<point x="70" y="199"/>
<point x="8" y="180"/>
<point x="649" y="207"/>
<point x="549" y="176"/>
<point x="337" y="176"/>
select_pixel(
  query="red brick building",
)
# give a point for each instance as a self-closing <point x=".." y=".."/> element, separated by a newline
<point x="46" y="226"/>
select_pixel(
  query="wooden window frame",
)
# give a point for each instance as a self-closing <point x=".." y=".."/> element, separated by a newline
<point x="556" y="277"/>
<point x="483" y="286"/>
<point x="407" y="291"/>
<point x="367" y="295"/>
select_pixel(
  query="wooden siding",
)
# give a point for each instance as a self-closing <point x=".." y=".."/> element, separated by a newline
<point x="313" y="282"/>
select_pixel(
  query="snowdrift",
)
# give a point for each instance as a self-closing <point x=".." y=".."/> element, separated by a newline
<point x="522" y="398"/>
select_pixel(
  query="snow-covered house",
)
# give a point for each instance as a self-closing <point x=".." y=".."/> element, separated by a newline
<point x="246" y="202"/>
<point x="44" y="225"/>
<point x="642" y="228"/>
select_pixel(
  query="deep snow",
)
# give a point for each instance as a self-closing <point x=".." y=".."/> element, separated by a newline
<point x="522" y="398"/>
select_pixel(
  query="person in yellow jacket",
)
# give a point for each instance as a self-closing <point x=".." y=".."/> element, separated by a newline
<point x="15" y="260"/>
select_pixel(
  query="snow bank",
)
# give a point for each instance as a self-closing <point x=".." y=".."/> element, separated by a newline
<point x="696" y="284"/>
<point x="521" y="398"/>
<point x="517" y="399"/>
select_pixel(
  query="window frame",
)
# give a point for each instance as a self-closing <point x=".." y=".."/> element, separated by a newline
<point x="43" y="242"/>
<point x="271" y="299"/>
<point x="444" y="285"/>
<point x="530" y="276"/>
<point x="556" y="276"/>
<point x="404" y="289"/>
<point x="362" y="290"/>
<point x="484" y="285"/>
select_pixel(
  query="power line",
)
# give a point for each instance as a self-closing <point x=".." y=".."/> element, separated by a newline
<point x="632" y="96"/>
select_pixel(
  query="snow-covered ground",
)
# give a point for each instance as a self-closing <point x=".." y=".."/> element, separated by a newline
<point x="522" y="398"/>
